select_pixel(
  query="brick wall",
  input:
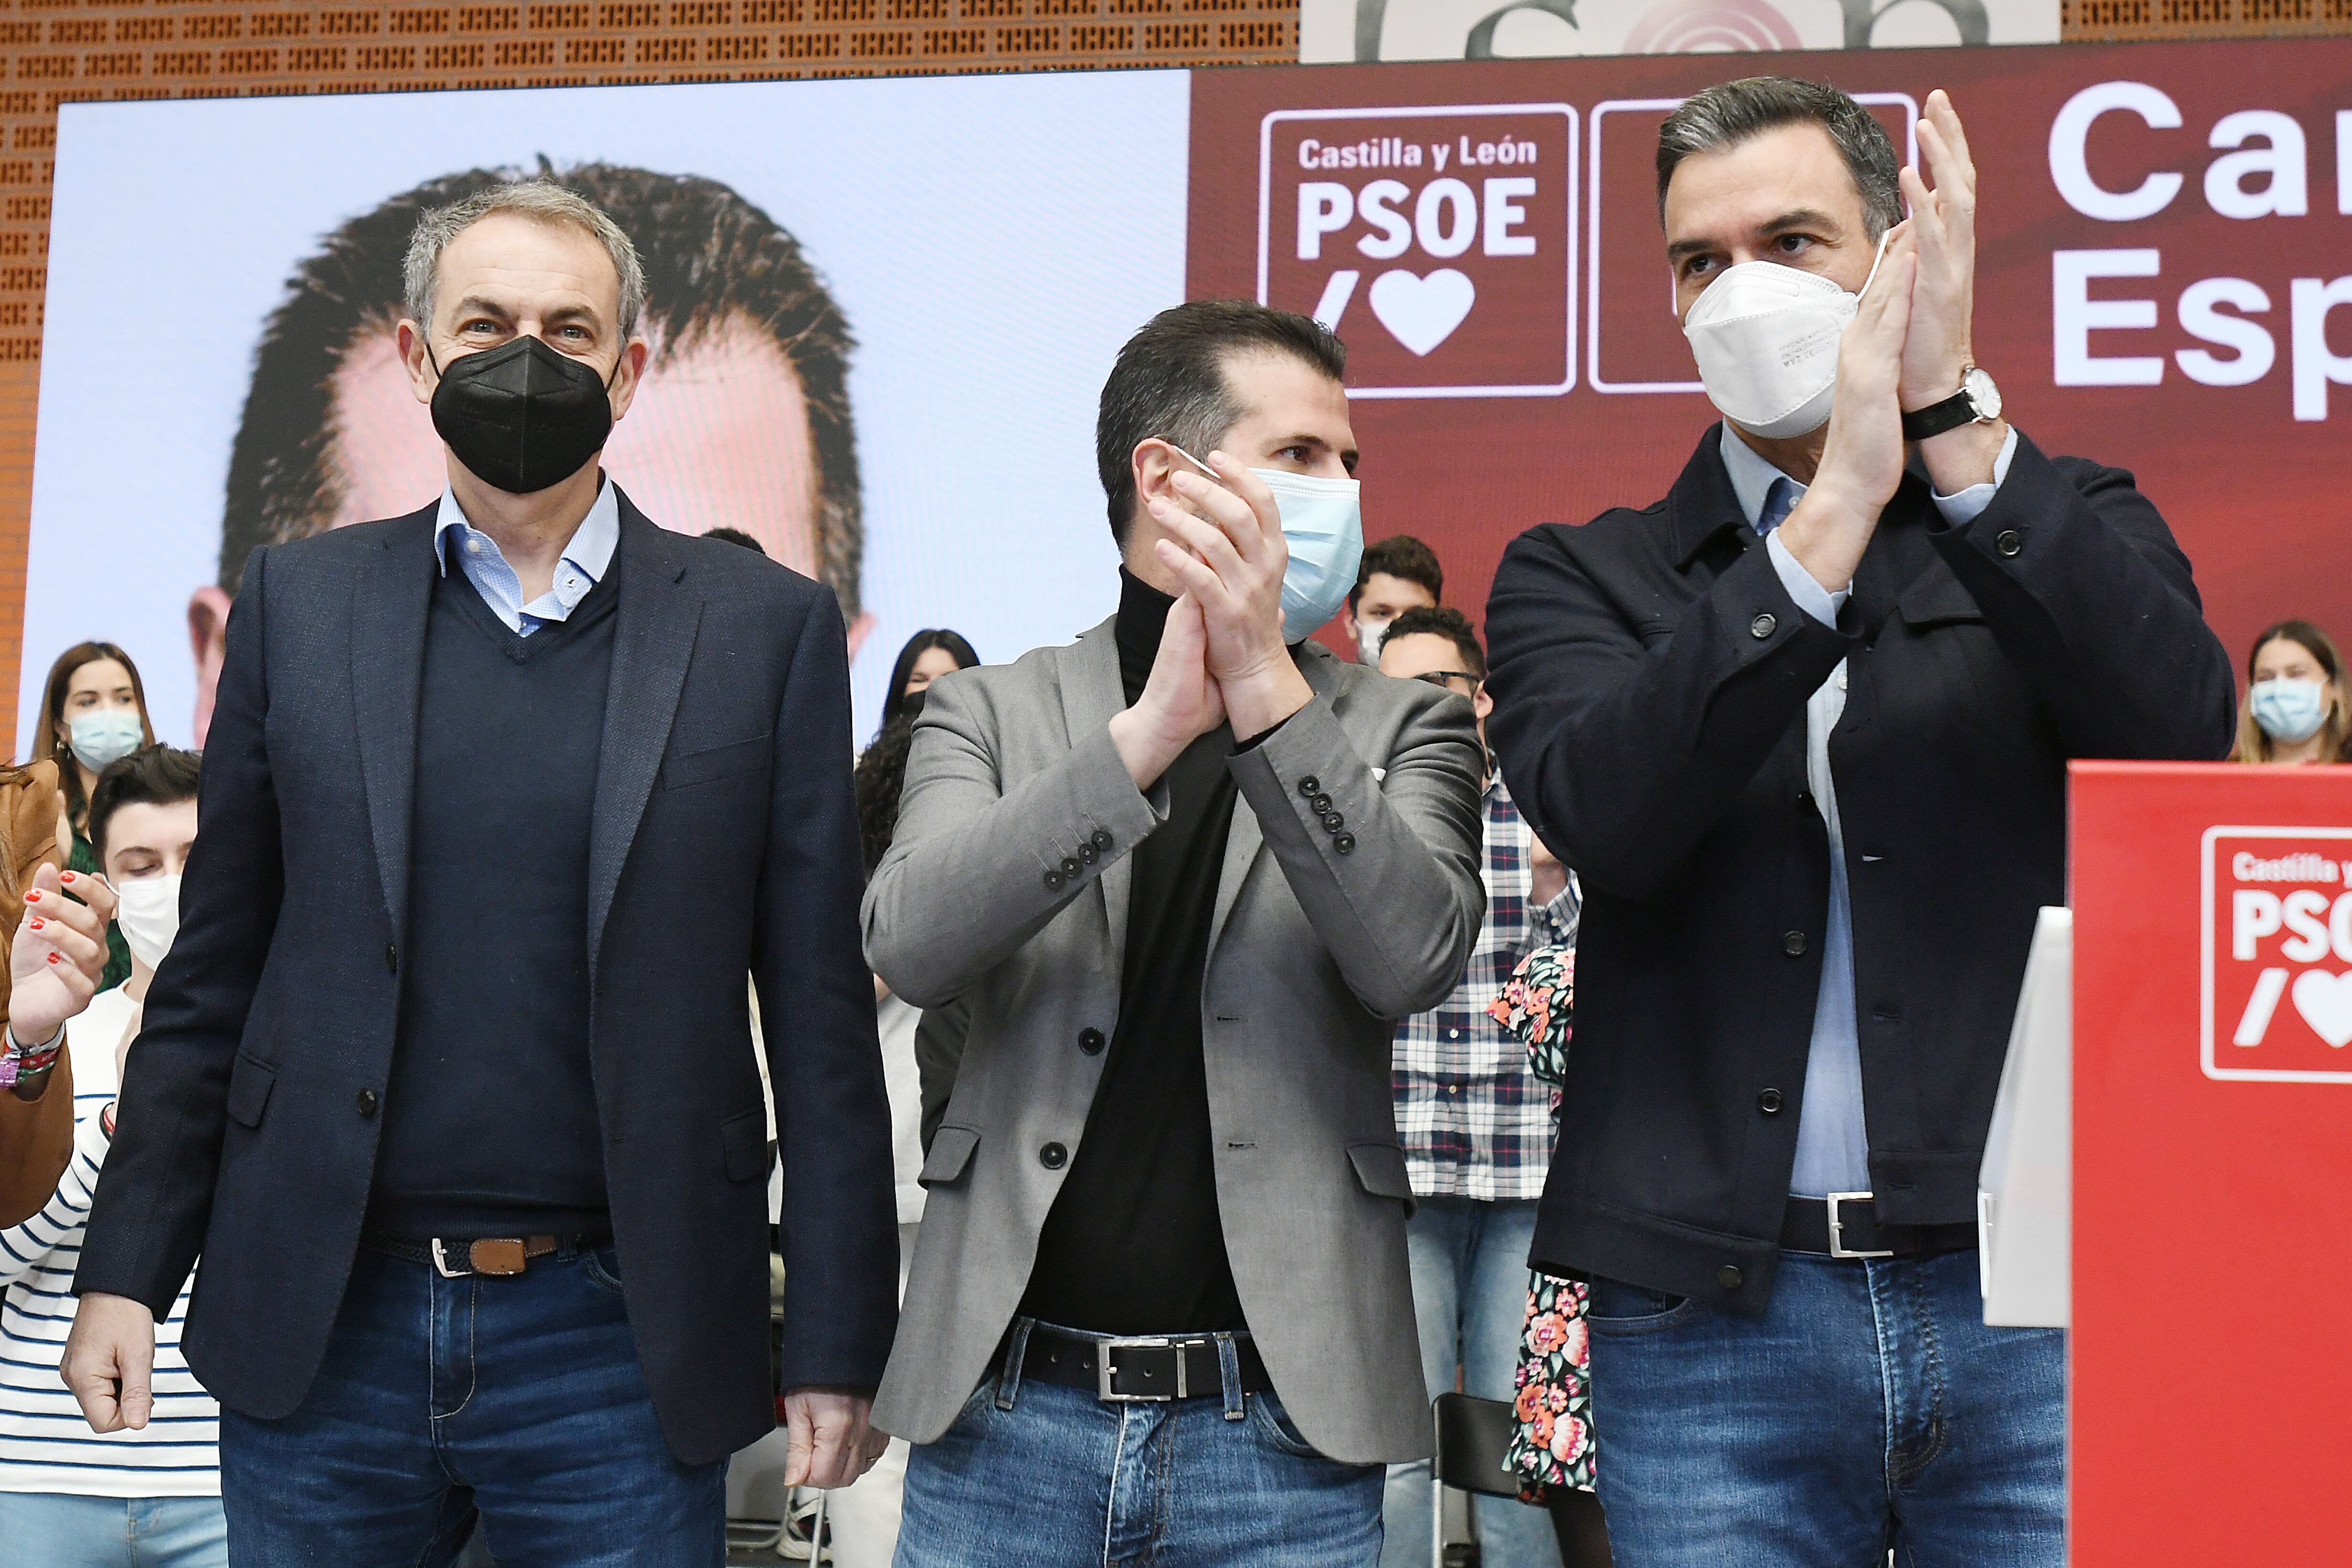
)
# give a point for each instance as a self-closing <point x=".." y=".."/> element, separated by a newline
<point x="71" y="51"/>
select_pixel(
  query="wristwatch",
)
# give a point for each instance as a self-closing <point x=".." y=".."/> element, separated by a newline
<point x="1976" y="402"/>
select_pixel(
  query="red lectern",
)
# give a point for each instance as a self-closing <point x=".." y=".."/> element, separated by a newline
<point x="2213" y="1234"/>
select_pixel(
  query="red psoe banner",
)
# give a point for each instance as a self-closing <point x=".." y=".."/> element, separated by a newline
<point x="2212" y="1169"/>
<point x="2164" y="283"/>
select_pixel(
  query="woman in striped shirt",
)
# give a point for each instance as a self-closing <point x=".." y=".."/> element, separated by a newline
<point x="70" y="1498"/>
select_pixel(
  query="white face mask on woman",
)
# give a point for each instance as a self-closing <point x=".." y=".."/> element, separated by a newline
<point x="147" y="911"/>
<point x="1766" y="339"/>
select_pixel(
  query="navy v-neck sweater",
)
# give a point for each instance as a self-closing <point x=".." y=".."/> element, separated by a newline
<point x="490" y="1122"/>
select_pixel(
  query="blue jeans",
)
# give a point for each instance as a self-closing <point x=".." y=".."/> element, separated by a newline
<point x="520" y="1398"/>
<point x="1035" y="1474"/>
<point x="1469" y="1263"/>
<point x="1868" y="1408"/>
<point x="56" y="1531"/>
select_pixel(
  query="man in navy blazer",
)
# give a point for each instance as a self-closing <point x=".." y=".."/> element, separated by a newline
<point x="449" y="1075"/>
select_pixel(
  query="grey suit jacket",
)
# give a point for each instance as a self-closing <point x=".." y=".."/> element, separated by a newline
<point x="1312" y="955"/>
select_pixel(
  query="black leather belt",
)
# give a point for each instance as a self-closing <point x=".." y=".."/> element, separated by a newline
<point x="1153" y="1369"/>
<point x="1845" y="1224"/>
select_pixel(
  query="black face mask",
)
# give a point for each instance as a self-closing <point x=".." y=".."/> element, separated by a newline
<point x="522" y="416"/>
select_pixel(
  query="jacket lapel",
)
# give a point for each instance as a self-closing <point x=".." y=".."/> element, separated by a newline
<point x="653" y="641"/>
<point x="1091" y="698"/>
<point x="392" y="594"/>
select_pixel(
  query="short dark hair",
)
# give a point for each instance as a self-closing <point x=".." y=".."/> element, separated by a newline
<point x="1404" y="558"/>
<point x="920" y="643"/>
<point x="735" y="537"/>
<point x="1442" y="621"/>
<point x="1727" y="114"/>
<point x="151" y="776"/>
<point x="710" y="256"/>
<point x="1169" y="382"/>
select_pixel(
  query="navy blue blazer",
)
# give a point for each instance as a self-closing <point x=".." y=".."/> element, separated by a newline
<point x="723" y="841"/>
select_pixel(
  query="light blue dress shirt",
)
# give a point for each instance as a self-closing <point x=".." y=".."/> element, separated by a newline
<point x="585" y="560"/>
<point x="1833" y="1143"/>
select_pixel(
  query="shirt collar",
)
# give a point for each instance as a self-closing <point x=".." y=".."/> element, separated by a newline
<point x="590" y="550"/>
<point x="1751" y="474"/>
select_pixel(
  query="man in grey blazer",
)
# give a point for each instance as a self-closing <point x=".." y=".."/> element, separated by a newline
<point x="1186" y="872"/>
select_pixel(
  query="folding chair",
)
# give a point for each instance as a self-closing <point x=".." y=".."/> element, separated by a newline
<point x="1472" y="1437"/>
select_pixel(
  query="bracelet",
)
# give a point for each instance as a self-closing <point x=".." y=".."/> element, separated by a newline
<point x="19" y="1062"/>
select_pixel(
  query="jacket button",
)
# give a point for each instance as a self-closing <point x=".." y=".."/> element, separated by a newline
<point x="1333" y="821"/>
<point x="1070" y="865"/>
<point x="1053" y="1156"/>
<point x="392" y="956"/>
<point x="1769" y="1102"/>
<point x="1805" y="800"/>
<point x="1320" y="804"/>
<point x="1091" y="1041"/>
<point x="1310" y="786"/>
<point x="1793" y="944"/>
<point x="367" y="1103"/>
<point x="1763" y="626"/>
<point x="2009" y="541"/>
<point x="1101" y="839"/>
<point x="1087" y="852"/>
<point x="1345" y="843"/>
<point x="1729" y="1276"/>
<point x="1054" y="881"/>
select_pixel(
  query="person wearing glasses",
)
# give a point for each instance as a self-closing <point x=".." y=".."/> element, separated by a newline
<point x="1477" y="1126"/>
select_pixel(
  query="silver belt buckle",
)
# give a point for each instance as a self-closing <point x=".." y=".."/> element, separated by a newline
<point x="1104" y="1372"/>
<point x="448" y="1273"/>
<point x="1837" y="1226"/>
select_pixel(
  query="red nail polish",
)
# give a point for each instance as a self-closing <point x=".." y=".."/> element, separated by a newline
<point x="53" y="957"/>
<point x="34" y="896"/>
<point x="38" y="922"/>
<point x="67" y="877"/>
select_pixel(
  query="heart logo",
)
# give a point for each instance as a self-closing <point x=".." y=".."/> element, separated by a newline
<point x="1422" y="312"/>
<point x="2325" y="1000"/>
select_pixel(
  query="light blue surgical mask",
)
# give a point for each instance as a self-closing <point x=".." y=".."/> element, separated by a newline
<point x="104" y="734"/>
<point x="1323" y="524"/>
<point x="2289" y="711"/>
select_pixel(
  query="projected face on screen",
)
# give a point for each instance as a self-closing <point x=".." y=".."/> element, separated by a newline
<point x="743" y="418"/>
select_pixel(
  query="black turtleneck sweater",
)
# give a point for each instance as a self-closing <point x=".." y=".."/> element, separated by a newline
<point x="1134" y="1244"/>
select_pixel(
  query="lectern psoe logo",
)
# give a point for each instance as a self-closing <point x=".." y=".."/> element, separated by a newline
<point x="2278" y="955"/>
<point x="1438" y="243"/>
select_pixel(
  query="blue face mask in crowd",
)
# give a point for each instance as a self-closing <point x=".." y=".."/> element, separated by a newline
<point x="1323" y="524"/>
<point x="2289" y="711"/>
<point x="104" y="734"/>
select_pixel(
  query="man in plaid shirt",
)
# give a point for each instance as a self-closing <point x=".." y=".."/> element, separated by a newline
<point x="1476" y="1125"/>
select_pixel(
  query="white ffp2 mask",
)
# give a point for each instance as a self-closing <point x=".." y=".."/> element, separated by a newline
<point x="1766" y="339"/>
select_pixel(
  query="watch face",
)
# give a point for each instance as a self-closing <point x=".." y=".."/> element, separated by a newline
<point x="1977" y="385"/>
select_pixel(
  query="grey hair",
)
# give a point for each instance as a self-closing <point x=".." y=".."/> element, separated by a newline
<point x="1724" y="116"/>
<point x="535" y="198"/>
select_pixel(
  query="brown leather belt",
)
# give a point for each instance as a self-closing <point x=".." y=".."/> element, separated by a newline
<point x="497" y="1256"/>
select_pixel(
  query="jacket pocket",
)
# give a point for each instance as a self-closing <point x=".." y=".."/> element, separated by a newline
<point x="745" y="1136"/>
<point x="716" y="762"/>
<point x="250" y="1081"/>
<point x="1380" y="1170"/>
<point x="950" y="1156"/>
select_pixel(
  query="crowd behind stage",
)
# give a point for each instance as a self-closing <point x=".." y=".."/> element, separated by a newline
<point x="1204" y="1182"/>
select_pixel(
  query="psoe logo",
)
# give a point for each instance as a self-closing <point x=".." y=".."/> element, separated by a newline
<point x="1439" y="243"/>
<point x="2277" y="955"/>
